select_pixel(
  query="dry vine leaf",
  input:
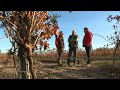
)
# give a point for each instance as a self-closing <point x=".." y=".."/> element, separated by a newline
<point x="42" y="34"/>
<point x="56" y="26"/>
<point x="49" y="36"/>
<point x="42" y="43"/>
<point x="46" y="45"/>
<point x="14" y="37"/>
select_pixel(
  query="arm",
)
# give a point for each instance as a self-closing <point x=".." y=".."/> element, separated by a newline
<point x="85" y="39"/>
<point x="70" y="40"/>
<point x="90" y="36"/>
<point x="77" y="38"/>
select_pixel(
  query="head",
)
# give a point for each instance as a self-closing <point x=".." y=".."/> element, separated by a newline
<point x="85" y="29"/>
<point x="61" y="33"/>
<point x="73" y="32"/>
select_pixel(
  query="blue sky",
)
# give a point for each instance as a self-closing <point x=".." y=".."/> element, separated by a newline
<point x="94" y="20"/>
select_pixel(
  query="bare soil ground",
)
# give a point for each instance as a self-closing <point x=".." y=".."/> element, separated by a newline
<point x="50" y="70"/>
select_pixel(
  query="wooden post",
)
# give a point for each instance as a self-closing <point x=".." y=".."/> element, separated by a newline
<point x="22" y="72"/>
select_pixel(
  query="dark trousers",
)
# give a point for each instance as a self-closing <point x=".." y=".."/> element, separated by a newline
<point x="88" y="52"/>
<point x="74" y="51"/>
<point x="60" y="53"/>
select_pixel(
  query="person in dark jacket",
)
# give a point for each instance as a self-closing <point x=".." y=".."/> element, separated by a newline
<point x="73" y="46"/>
<point x="60" y="47"/>
<point x="87" y="43"/>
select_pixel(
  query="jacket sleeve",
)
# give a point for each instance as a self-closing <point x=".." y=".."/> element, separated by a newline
<point x="84" y="41"/>
<point x="69" y="39"/>
<point x="77" y="38"/>
<point x="90" y="36"/>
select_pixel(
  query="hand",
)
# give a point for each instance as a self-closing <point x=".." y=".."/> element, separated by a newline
<point x="56" y="32"/>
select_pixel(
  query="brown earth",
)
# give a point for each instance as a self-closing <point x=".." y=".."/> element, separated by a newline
<point x="50" y="70"/>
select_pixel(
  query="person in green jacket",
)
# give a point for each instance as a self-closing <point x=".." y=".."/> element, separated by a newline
<point x="73" y="46"/>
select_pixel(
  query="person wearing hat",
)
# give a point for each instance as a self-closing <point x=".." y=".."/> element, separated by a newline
<point x="87" y="43"/>
<point x="60" y="47"/>
<point x="73" y="46"/>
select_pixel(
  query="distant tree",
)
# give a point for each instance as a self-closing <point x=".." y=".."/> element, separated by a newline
<point x="115" y="39"/>
<point x="0" y="51"/>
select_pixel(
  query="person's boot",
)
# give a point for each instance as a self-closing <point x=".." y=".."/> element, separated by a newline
<point x="59" y="62"/>
<point x="88" y="63"/>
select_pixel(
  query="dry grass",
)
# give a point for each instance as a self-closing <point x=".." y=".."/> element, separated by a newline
<point x="48" y="69"/>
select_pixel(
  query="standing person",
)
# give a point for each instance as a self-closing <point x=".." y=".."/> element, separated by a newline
<point x="60" y="46"/>
<point x="87" y="43"/>
<point x="73" y="46"/>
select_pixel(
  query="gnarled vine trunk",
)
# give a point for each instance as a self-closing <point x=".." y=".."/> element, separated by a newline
<point x="30" y="60"/>
<point x="22" y="72"/>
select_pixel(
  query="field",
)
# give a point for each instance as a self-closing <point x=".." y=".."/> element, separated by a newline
<point x="29" y="33"/>
<point x="46" y="67"/>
